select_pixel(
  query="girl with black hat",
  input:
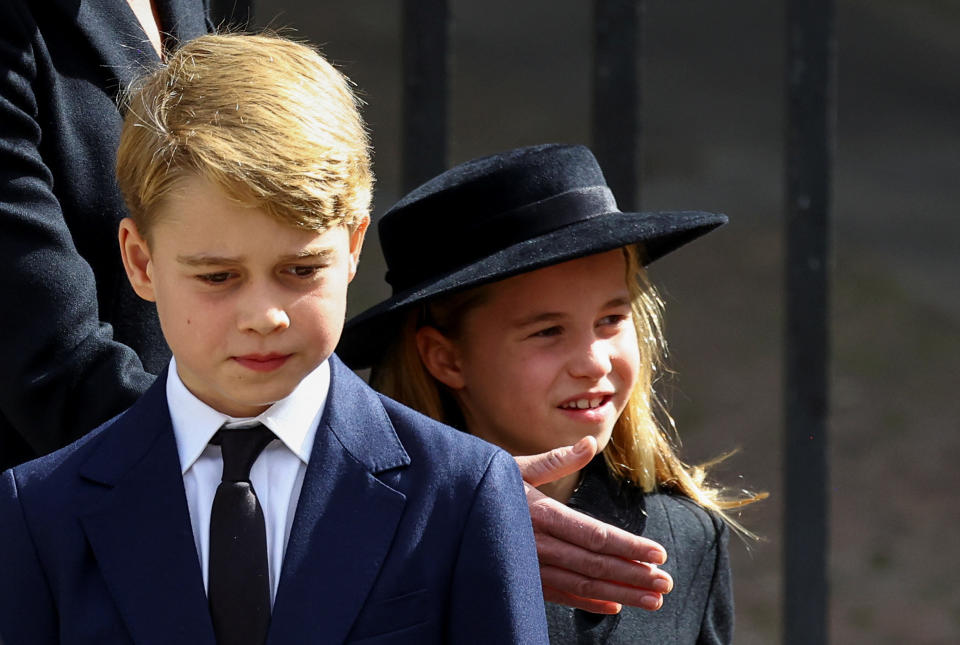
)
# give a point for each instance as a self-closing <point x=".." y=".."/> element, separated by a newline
<point x="521" y="312"/>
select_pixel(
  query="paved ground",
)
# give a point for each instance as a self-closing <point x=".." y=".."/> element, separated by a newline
<point x="713" y="118"/>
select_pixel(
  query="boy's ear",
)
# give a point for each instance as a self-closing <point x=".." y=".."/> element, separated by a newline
<point x="440" y="357"/>
<point x="136" y="259"/>
<point x="356" y="243"/>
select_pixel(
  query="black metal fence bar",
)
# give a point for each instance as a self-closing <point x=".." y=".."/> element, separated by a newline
<point x="616" y="95"/>
<point x="426" y="27"/>
<point x="811" y="77"/>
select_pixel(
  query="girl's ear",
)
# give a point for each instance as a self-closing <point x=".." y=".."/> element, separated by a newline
<point x="136" y="259"/>
<point x="440" y="357"/>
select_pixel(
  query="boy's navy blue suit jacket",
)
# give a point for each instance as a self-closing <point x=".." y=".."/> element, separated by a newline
<point x="405" y="532"/>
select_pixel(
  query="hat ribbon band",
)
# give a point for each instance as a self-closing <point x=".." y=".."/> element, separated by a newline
<point x="552" y="213"/>
<point x="502" y="230"/>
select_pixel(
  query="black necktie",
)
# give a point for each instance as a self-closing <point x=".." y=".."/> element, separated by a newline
<point x="239" y="580"/>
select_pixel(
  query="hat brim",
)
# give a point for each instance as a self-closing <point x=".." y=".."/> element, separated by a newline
<point x="367" y="335"/>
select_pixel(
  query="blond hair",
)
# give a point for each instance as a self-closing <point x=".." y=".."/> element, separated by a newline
<point x="639" y="451"/>
<point x="266" y="119"/>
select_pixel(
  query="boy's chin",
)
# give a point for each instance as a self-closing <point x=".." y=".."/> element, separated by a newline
<point x="242" y="410"/>
<point x="249" y="403"/>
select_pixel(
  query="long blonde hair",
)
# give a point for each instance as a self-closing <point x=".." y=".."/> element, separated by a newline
<point x="640" y="450"/>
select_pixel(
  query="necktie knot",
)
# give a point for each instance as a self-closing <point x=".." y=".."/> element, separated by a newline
<point x="241" y="447"/>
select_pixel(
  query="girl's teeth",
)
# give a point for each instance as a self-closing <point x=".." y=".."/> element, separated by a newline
<point x="583" y="404"/>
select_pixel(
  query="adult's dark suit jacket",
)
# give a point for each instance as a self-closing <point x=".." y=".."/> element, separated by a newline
<point x="406" y="531"/>
<point x="76" y="344"/>
<point x="698" y="611"/>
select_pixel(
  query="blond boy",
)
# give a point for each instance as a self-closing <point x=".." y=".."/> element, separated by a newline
<point x="259" y="491"/>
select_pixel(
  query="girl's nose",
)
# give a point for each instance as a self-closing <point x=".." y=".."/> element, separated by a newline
<point x="592" y="361"/>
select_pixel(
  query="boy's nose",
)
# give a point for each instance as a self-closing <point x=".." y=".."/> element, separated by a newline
<point x="264" y="320"/>
<point x="591" y="361"/>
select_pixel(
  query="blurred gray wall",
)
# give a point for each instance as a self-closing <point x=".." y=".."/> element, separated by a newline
<point x="713" y="122"/>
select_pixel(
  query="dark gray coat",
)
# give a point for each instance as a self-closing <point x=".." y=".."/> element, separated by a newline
<point x="76" y="344"/>
<point x="699" y="610"/>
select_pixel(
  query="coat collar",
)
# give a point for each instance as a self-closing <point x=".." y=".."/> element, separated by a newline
<point x="346" y="517"/>
<point x="609" y="499"/>
<point x="355" y="415"/>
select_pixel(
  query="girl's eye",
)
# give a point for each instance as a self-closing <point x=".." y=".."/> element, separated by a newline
<point x="215" y="278"/>
<point x="548" y="332"/>
<point x="614" y="319"/>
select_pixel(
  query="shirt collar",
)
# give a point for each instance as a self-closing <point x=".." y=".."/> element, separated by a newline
<point x="293" y="419"/>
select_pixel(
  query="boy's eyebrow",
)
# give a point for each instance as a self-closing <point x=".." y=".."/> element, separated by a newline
<point x="207" y="260"/>
<point x="308" y="254"/>
<point x="551" y="316"/>
<point x="203" y="259"/>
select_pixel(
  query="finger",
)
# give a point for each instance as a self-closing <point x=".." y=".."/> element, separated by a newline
<point x="552" y="518"/>
<point x="641" y="576"/>
<point x="550" y="466"/>
<point x="591" y="589"/>
<point x="587" y="604"/>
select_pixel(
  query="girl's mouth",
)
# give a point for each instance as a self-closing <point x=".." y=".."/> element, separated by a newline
<point x="586" y="402"/>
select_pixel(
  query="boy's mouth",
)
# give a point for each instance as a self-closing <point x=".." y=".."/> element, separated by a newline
<point x="262" y="362"/>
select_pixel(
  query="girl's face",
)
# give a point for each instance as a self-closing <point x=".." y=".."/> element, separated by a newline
<point x="548" y="356"/>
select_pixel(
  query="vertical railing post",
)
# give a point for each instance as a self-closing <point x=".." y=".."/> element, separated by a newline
<point x="616" y="96"/>
<point x="811" y="100"/>
<point x="426" y="27"/>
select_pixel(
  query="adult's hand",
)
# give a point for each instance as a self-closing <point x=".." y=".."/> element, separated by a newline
<point x="585" y="563"/>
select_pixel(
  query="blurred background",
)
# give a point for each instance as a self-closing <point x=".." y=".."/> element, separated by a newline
<point x="713" y="121"/>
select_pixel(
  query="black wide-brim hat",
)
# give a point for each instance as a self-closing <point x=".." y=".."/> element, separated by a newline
<point x="499" y="216"/>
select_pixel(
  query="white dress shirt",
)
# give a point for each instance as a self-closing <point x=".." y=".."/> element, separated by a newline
<point x="276" y="475"/>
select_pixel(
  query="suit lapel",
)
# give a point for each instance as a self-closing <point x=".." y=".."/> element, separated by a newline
<point x="346" y="517"/>
<point x="182" y="20"/>
<point x="116" y="38"/>
<point x="139" y="529"/>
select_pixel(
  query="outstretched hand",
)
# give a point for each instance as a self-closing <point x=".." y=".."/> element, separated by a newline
<point x="585" y="563"/>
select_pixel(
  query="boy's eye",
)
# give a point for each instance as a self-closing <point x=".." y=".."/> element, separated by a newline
<point x="304" y="271"/>
<point x="215" y="278"/>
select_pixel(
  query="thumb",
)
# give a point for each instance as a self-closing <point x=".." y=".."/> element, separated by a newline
<point x="559" y="462"/>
